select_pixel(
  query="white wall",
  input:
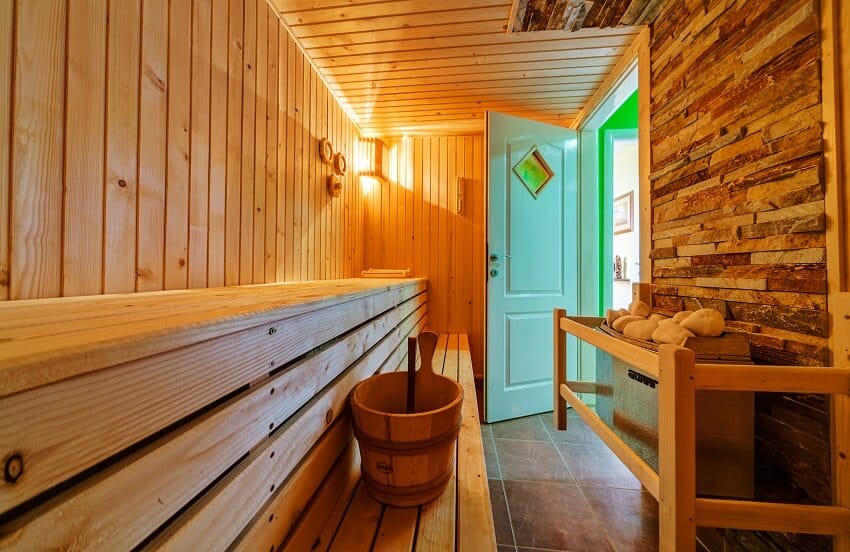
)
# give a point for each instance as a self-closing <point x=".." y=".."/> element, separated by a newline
<point x="624" y="179"/>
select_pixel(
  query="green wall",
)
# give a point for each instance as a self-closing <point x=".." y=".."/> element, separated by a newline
<point x="626" y="117"/>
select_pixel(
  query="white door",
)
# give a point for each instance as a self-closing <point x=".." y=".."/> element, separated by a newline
<point x="532" y="258"/>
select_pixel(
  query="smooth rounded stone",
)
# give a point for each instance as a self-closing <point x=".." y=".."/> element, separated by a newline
<point x="611" y="315"/>
<point x="639" y="308"/>
<point x="642" y="329"/>
<point x="657" y="317"/>
<point x="681" y="315"/>
<point x="705" y="323"/>
<point x="670" y="334"/>
<point x="621" y="323"/>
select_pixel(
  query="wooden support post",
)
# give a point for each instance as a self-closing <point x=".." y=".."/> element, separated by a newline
<point x="835" y="63"/>
<point x="676" y="449"/>
<point x="559" y="375"/>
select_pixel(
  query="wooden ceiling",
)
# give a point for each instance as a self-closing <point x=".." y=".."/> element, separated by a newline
<point x="414" y="67"/>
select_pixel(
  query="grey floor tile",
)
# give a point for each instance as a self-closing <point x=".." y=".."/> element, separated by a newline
<point x="597" y="466"/>
<point x="528" y="428"/>
<point x="531" y="461"/>
<point x="486" y="430"/>
<point x="490" y="459"/>
<point x="501" y="518"/>
<point x="553" y="516"/>
<point x="577" y="431"/>
<point x="630" y="517"/>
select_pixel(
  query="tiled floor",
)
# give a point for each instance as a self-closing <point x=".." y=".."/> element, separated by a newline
<point x="563" y="490"/>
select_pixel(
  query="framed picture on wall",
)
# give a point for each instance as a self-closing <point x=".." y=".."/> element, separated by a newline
<point x="624" y="211"/>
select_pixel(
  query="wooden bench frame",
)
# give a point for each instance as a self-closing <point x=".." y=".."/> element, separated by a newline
<point x="460" y="519"/>
<point x="674" y="486"/>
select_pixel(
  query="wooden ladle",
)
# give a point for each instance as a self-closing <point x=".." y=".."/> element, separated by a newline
<point x="425" y="377"/>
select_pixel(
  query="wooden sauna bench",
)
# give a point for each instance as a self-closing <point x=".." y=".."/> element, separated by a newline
<point x="183" y="420"/>
<point x="460" y="519"/>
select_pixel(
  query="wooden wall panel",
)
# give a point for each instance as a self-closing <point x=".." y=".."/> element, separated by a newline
<point x="122" y="132"/>
<point x="7" y="34"/>
<point x="411" y="220"/>
<point x="37" y="146"/>
<point x="185" y="138"/>
<point x="738" y="210"/>
<point x="85" y="93"/>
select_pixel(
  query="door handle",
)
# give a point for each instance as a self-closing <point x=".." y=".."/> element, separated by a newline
<point x="495" y="256"/>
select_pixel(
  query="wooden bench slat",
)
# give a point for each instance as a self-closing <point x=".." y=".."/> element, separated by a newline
<point x="336" y="450"/>
<point x="436" y="532"/>
<point x="450" y="367"/>
<point x="440" y="353"/>
<point x="397" y="530"/>
<point x="71" y="425"/>
<point x="360" y="524"/>
<point x="475" y="518"/>
<point x="29" y="363"/>
<point x="324" y="510"/>
<point x="222" y="513"/>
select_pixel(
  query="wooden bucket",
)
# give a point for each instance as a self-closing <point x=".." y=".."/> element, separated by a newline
<point x="406" y="459"/>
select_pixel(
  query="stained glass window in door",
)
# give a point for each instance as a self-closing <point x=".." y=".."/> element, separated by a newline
<point x="533" y="171"/>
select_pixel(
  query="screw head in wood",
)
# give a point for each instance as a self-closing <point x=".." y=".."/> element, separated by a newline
<point x="14" y="468"/>
<point x="272" y="330"/>
<point x="329" y="416"/>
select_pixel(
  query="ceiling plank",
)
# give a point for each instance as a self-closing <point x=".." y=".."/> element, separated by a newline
<point x="494" y="86"/>
<point x="379" y="52"/>
<point x="405" y="22"/>
<point x="588" y="55"/>
<point x="352" y="11"/>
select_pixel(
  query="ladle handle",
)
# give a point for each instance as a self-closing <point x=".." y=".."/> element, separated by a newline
<point x="427" y="346"/>
<point x="411" y="375"/>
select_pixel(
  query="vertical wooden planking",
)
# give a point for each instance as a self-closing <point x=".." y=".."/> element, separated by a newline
<point x="122" y="132"/>
<point x="451" y="217"/>
<point x="261" y="104"/>
<point x="199" y="191"/>
<point x="219" y="42"/>
<point x="463" y="260"/>
<point x="306" y="171"/>
<point x="233" y="187"/>
<point x="7" y="34"/>
<point x="282" y="148"/>
<point x="340" y="211"/>
<point x="179" y="116"/>
<point x="298" y="168"/>
<point x="37" y="154"/>
<point x="310" y="146"/>
<point x="446" y="168"/>
<point x="327" y="201"/>
<point x="427" y="208"/>
<point x="318" y="170"/>
<point x="409" y="215"/>
<point x="153" y="124"/>
<point x="479" y="263"/>
<point x="272" y="214"/>
<point x="82" y="232"/>
<point x="292" y="117"/>
<point x="249" y="100"/>
<point x="417" y="266"/>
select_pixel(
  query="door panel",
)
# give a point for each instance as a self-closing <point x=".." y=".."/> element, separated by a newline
<point x="532" y="262"/>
